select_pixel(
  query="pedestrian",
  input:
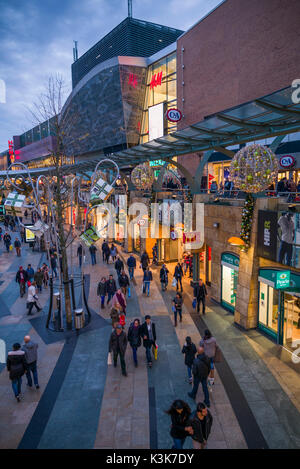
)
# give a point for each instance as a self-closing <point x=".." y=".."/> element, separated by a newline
<point x="180" y="413"/>
<point x="53" y="263"/>
<point x="107" y="253"/>
<point x="146" y="280"/>
<point x="148" y="333"/>
<point x="22" y="233"/>
<point x="119" y="298"/>
<point x="31" y="356"/>
<point x="79" y="254"/>
<point x="102" y="291"/>
<point x="30" y="272"/>
<point x="93" y="250"/>
<point x="134" y="338"/>
<point x="104" y="247"/>
<point x="189" y="350"/>
<point x="32" y="298"/>
<point x="178" y="274"/>
<point x="163" y="274"/>
<point x="122" y="319"/>
<point x="131" y="264"/>
<point x="115" y="315"/>
<point x="201" y="422"/>
<point x="21" y="279"/>
<point x="111" y="288"/>
<point x="145" y="261"/>
<point x="7" y="241"/>
<point x="177" y="307"/>
<point x="17" y="245"/>
<point x="124" y="282"/>
<point x="209" y="344"/>
<point x="38" y="278"/>
<point x="185" y="263"/>
<point x="45" y="270"/>
<point x="113" y="252"/>
<point x="16" y="365"/>
<point x="155" y="254"/>
<point x="119" y="266"/>
<point x="117" y="346"/>
<point x="201" y="370"/>
<point x="200" y="293"/>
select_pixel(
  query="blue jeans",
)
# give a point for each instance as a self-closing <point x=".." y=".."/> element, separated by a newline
<point x="203" y="381"/>
<point x="178" y="443"/>
<point x="148" y="354"/>
<point x="131" y="272"/>
<point x="54" y="271"/>
<point x="177" y="311"/>
<point x="109" y="296"/>
<point x="16" y="385"/>
<point x="189" y="370"/>
<point x="80" y="260"/>
<point x="147" y="287"/>
<point x="102" y="300"/>
<point x="93" y="258"/>
<point x="32" y="369"/>
<point x="134" y="352"/>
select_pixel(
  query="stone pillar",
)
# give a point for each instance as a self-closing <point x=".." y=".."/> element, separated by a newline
<point x="196" y="267"/>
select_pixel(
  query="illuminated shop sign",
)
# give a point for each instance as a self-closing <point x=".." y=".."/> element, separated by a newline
<point x="156" y="80"/>
<point x="132" y="80"/>
<point x="174" y="115"/>
<point x="157" y="163"/>
<point x="11" y="151"/>
<point x="287" y="161"/>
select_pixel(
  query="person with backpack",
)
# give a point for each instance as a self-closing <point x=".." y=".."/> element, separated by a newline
<point x="163" y="274"/>
<point x="134" y="338"/>
<point x="201" y="422"/>
<point x="16" y="365"/>
<point x="180" y="413"/>
<point x="189" y="350"/>
<point x="209" y="344"/>
<point x="102" y="290"/>
<point x="201" y="370"/>
<point x="21" y="279"/>
<point x="177" y="307"/>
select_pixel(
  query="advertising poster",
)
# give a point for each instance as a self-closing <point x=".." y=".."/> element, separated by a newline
<point x="90" y="236"/>
<point x="29" y="235"/>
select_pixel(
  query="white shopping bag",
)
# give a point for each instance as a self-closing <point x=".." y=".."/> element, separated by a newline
<point x="109" y="359"/>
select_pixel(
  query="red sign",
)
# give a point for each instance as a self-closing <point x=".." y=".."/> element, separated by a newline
<point x="287" y="161"/>
<point x="156" y="80"/>
<point x="11" y="151"/>
<point x="132" y="81"/>
<point x="174" y="115"/>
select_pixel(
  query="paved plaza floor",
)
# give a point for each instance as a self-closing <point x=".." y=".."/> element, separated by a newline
<point x="84" y="402"/>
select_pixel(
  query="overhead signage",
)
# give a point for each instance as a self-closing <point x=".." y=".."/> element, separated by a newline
<point x="230" y="259"/>
<point x="29" y="235"/>
<point x="11" y="151"/>
<point x="283" y="279"/>
<point x="174" y="115"/>
<point x="157" y="163"/>
<point x="287" y="161"/>
<point x="267" y="234"/>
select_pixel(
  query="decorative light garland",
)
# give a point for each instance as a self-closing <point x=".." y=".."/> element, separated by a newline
<point x="247" y="217"/>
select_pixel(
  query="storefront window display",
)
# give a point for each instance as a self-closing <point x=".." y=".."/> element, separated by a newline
<point x="229" y="280"/>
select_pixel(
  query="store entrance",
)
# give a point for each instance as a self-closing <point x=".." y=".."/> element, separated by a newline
<point x="291" y="326"/>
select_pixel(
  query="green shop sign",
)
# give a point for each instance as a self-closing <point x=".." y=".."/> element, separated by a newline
<point x="283" y="279"/>
<point x="230" y="259"/>
<point x="157" y="163"/>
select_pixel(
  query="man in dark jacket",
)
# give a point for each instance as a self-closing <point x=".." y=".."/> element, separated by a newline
<point x="7" y="241"/>
<point x="163" y="274"/>
<point x="148" y="333"/>
<point x="16" y="365"/>
<point x="147" y="279"/>
<point x="201" y="422"/>
<point x="145" y="260"/>
<point x="93" y="250"/>
<point x="124" y="282"/>
<point x="178" y="274"/>
<point x="134" y="338"/>
<point x="201" y="370"/>
<point x="30" y="272"/>
<point x="17" y="245"/>
<point x="102" y="290"/>
<point x="200" y="293"/>
<point x="21" y="279"/>
<point x="30" y="349"/>
<point x="111" y="288"/>
<point x="117" y="345"/>
<point x="119" y="266"/>
<point x="131" y="263"/>
<point x="104" y="249"/>
<point x="53" y="264"/>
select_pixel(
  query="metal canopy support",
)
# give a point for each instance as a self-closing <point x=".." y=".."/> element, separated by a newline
<point x="276" y="142"/>
<point x="198" y="176"/>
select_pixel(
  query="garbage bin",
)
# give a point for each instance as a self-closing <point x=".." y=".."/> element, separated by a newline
<point x="79" y="318"/>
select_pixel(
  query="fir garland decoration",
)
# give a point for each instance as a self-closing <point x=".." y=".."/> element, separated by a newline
<point x="247" y="217"/>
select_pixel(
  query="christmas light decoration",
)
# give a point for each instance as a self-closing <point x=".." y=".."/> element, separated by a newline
<point x="142" y="176"/>
<point x="247" y="217"/>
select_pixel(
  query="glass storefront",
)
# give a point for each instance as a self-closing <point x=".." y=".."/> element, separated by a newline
<point x="279" y="309"/>
<point x="229" y="279"/>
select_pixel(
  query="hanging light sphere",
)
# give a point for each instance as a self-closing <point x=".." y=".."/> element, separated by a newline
<point x="254" y="168"/>
<point x="142" y="176"/>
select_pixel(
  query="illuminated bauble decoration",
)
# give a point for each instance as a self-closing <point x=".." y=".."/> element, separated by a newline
<point x="142" y="176"/>
<point x="253" y="168"/>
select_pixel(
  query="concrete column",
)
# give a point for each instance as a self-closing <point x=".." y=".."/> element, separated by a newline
<point x="196" y="267"/>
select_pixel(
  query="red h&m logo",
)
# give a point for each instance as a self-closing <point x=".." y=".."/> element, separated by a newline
<point x="11" y="151"/>
<point x="156" y="80"/>
<point x="132" y="81"/>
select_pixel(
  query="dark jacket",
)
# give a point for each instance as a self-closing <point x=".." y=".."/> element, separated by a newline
<point x="123" y="280"/>
<point x="119" y="265"/>
<point x="200" y="434"/>
<point x="201" y="366"/>
<point x="30" y="273"/>
<point x="92" y="249"/>
<point x="179" y="422"/>
<point x="111" y="286"/>
<point x="144" y="332"/>
<point x="190" y="352"/>
<point x="38" y="277"/>
<point x="7" y="239"/>
<point x="17" y="243"/>
<point x="200" y="291"/>
<point x="145" y="260"/>
<point x="79" y="250"/>
<point x="131" y="262"/>
<point x="178" y="271"/>
<point x="18" y="276"/>
<point x="134" y="335"/>
<point x="53" y="262"/>
<point x="102" y="288"/>
<point x="178" y="303"/>
<point x="116" y="340"/>
<point x="30" y="350"/>
<point x="16" y="364"/>
<point x="163" y="274"/>
<point x="147" y="276"/>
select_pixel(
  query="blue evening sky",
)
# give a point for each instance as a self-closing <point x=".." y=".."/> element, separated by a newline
<point x="36" y="40"/>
